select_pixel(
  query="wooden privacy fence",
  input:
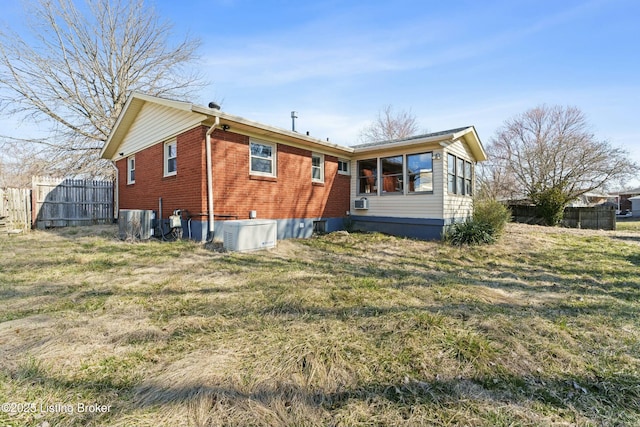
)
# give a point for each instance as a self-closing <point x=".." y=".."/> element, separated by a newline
<point x="15" y="209"/>
<point x="595" y="218"/>
<point x="71" y="202"/>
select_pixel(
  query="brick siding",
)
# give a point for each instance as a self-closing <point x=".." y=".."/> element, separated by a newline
<point x="186" y="190"/>
<point x="292" y="194"/>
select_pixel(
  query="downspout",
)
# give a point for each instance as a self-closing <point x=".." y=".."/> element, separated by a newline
<point x="116" y="192"/>
<point x="216" y="123"/>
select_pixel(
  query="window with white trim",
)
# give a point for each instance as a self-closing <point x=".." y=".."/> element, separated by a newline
<point x="343" y="167"/>
<point x="262" y="158"/>
<point x="317" y="167"/>
<point x="170" y="158"/>
<point x="131" y="170"/>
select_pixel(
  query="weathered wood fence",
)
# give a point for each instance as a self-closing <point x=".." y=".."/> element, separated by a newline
<point x="15" y="209"/>
<point x="71" y="202"/>
<point x="595" y="218"/>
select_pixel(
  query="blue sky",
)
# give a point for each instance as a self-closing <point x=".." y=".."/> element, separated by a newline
<point x="451" y="63"/>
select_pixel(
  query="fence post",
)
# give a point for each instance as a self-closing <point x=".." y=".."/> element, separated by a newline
<point x="579" y="225"/>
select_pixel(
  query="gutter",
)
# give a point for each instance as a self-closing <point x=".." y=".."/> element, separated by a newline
<point x="213" y="127"/>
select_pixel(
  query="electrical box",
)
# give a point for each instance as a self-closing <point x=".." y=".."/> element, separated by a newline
<point x="175" y="221"/>
<point x="361" y="204"/>
<point x="135" y="224"/>
<point x="250" y="235"/>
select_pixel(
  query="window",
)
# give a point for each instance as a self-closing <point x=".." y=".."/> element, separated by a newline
<point x="131" y="170"/>
<point x="459" y="176"/>
<point x="343" y="167"/>
<point x="262" y="158"/>
<point x="468" y="187"/>
<point x="451" y="173"/>
<point x="420" y="172"/>
<point x="367" y="176"/>
<point x="319" y="227"/>
<point x="170" y="158"/>
<point x="392" y="174"/>
<point x="317" y="167"/>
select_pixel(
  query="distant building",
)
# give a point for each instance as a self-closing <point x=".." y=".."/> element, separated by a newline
<point x="623" y="198"/>
<point x="635" y="206"/>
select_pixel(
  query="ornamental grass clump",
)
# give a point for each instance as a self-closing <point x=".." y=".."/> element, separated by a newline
<point x="471" y="232"/>
<point x="485" y="226"/>
<point x="492" y="213"/>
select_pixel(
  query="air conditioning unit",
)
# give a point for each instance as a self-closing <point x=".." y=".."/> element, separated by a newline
<point x="135" y="224"/>
<point x="361" y="204"/>
<point x="250" y="235"/>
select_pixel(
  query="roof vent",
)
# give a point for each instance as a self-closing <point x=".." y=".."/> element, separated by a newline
<point x="214" y="106"/>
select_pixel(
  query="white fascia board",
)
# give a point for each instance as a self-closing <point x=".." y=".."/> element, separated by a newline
<point x="272" y="130"/>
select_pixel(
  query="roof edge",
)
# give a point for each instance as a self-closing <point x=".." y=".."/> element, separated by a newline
<point x="468" y="133"/>
<point x="268" y="128"/>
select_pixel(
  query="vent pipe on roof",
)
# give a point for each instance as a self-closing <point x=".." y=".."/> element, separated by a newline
<point x="214" y="106"/>
<point x="294" y="116"/>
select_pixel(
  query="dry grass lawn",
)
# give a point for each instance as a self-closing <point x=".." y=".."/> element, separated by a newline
<point x="541" y="329"/>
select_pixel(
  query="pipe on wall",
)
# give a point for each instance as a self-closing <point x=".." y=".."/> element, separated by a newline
<point x="210" y="206"/>
<point x="116" y="191"/>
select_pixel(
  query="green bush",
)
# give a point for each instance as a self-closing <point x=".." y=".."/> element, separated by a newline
<point x="493" y="213"/>
<point x="550" y="204"/>
<point x="485" y="226"/>
<point x="471" y="232"/>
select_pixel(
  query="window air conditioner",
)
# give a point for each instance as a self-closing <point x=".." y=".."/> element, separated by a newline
<point x="361" y="204"/>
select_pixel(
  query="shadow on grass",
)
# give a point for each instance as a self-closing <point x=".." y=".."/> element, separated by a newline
<point x="612" y="400"/>
<point x="597" y="400"/>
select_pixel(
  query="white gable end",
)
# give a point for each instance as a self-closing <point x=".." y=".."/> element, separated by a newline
<point x="156" y="123"/>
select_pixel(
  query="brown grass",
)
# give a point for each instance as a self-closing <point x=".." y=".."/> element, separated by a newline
<point x="360" y="329"/>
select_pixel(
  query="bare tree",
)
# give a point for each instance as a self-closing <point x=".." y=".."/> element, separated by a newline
<point x="389" y="126"/>
<point x="76" y="66"/>
<point x="20" y="162"/>
<point x="549" y="152"/>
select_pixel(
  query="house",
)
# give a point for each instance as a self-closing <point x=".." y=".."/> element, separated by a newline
<point x="635" y="206"/>
<point x="624" y="199"/>
<point x="213" y="167"/>
<point x="590" y="199"/>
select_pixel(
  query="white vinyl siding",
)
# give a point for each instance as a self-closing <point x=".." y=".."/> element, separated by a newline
<point x="397" y="205"/>
<point x="154" y="124"/>
<point x="437" y="204"/>
<point x="458" y="206"/>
